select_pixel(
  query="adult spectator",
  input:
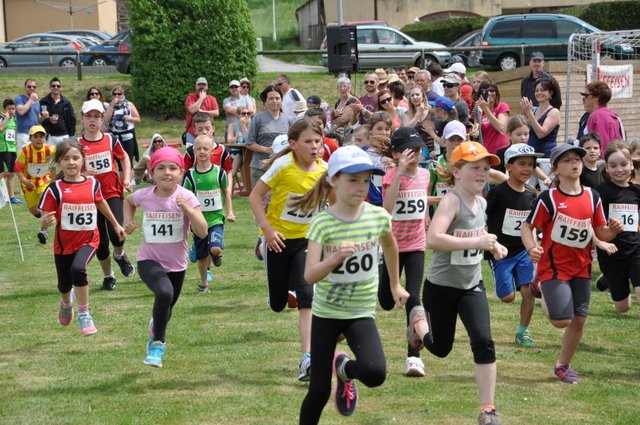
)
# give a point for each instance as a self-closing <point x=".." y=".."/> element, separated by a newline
<point x="142" y="169"/>
<point x="385" y="103"/>
<point x="451" y="84"/>
<point x="94" y="92"/>
<point x="417" y="114"/>
<point x="245" y="92"/>
<point x="265" y="127"/>
<point x="61" y="122"/>
<point x="602" y="120"/>
<point x="28" y="113"/>
<point x="343" y="115"/>
<point x="368" y="101"/>
<point x="536" y="64"/>
<point x="544" y="122"/>
<point x="423" y="80"/>
<point x="402" y="74"/>
<point x="121" y="118"/>
<point x="237" y="133"/>
<point x="466" y="90"/>
<point x="231" y="103"/>
<point x="199" y="101"/>
<point x="383" y="79"/>
<point x="289" y="95"/>
<point x="411" y="75"/>
<point x="436" y="78"/>
<point x="397" y="90"/>
<point x="494" y="117"/>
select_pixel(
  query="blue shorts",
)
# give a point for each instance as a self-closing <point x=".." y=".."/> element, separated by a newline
<point x="214" y="239"/>
<point x="516" y="270"/>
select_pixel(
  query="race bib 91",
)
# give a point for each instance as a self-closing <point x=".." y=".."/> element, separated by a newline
<point x="410" y="205"/>
<point x="467" y="257"/>
<point x="210" y="200"/>
<point x="163" y="226"/>
<point x="101" y="162"/>
<point x="571" y="232"/>
<point x="78" y="217"/>
<point x="627" y="214"/>
<point x="359" y="267"/>
<point x="38" y="170"/>
<point x="512" y="221"/>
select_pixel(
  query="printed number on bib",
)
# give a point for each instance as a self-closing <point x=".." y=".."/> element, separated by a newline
<point x="360" y="266"/>
<point x="78" y="217"/>
<point x="10" y="135"/>
<point x="467" y="257"/>
<point x="410" y="207"/>
<point x="571" y="232"/>
<point x="512" y="222"/>
<point x="210" y="200"/>
<point x="101" y="162"/>
<point x="38" y="170"/>
<point x="295" y="215"/>
<point x="627" y="214"/>
<point x="163" y="227"/>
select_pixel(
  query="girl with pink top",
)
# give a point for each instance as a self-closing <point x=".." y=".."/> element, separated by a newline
<point x="404" y="196"/>
<point x="169" y="210"/>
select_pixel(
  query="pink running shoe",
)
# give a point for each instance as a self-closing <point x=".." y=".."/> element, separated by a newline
<point x="86" y="324"/>
<point x="65" y="313"/>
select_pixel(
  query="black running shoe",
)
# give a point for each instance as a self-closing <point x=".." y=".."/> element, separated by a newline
<point x="108" y="283"/>
<point x="125" y="265"/>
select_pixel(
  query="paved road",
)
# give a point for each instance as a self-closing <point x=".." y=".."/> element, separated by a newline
<point x="266" y="64"/>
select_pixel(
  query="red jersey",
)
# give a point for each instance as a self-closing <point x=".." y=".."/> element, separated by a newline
<point x="210" y="103"/>
<point x="76" y="213"/>
<point x="566" y="222"/>
<point x="34" y="164"/>
<point x="220" y="157"/>
<point x="101" y="155"/>
<point x="330" y="146"/>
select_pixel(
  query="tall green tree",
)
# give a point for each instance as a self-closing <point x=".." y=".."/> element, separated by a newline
<point x="176" y="41"/>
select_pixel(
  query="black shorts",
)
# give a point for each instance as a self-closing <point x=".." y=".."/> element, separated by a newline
<point x="7" y="162"/>
<point x="619" y="273"/>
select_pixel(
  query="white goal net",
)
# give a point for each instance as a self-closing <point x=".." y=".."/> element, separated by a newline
<point x="612" y="57"/>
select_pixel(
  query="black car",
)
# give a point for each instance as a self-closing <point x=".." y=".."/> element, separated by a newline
<point x="469" y="57"/>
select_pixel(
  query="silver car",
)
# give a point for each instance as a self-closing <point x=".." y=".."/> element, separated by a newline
<point x="50" y="46"/>
<point x="376" y="41"/>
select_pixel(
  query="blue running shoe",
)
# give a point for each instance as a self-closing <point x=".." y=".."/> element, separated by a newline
<point x="16" y="201"/>
<point x="155" y="353"/>
<point x="192" y="253"/>
<point x="209" y="276"/>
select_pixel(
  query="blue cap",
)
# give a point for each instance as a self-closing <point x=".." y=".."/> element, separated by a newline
<point x="442" y="102"/>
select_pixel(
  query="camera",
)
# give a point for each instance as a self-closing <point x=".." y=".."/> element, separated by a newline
<point x="484" y="94"/>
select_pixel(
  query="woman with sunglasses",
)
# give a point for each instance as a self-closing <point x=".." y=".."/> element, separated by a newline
<point x="94" y="92"/>
<point x="451" y="84"/>
<point x="385" y="103"/>
<point x="493" y="116"/>
<point x="601" y="120"/>
<point x="245" y="92"/>
<point x="237" y="134"/>
<point x="157" y="142"/>
<point x="121" y="117"/>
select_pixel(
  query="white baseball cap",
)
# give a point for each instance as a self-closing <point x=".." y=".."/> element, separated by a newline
<point x="518" y="150"/>
<point x="454" y="128"/>
<point x="92" y="105"/>
<point x="351" y="160"/>
<point x="279" y="143"/>
<point x="456" y="67"/>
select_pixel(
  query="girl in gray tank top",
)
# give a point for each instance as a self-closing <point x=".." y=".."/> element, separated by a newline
<point x="454" y="286"/>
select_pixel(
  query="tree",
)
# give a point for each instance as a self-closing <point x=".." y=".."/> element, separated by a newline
<point x="176" y="41"/>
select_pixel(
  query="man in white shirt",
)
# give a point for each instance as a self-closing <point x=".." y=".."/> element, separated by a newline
<point x="289" y="95"/>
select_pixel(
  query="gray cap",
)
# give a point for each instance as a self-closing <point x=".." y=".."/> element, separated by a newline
<point x="563" y="148"/>
<point x="536" y="55"/>
<point x="201" y="80"/>
<point x="518" y="150"/>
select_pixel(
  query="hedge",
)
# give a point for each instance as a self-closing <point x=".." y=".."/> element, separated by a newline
<point x="445" y="31"/>
<point x="176" y="41"/>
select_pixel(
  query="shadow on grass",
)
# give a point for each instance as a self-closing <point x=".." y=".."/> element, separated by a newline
<point x="32" y="294"/>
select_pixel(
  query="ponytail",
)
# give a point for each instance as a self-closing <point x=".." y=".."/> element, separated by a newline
<point x="320" y="195"/>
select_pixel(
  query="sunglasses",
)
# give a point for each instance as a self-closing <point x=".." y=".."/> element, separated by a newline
<point x="31" y="87"/>
<point x="117" y="94"/>
<point x="233" y="87"/>
<point x="586" y="94"/>
<point x="245" y="114"/>
<point x="385" y="100"/>
<point x="370" y="82"/>
<point x="157" y="141"/>
<point x="93" y="93"/>
<point x="279" y="84"/>
<point x="448" y="85"/>
<point x="410" y="76"/>
<point x="55" y="86"/>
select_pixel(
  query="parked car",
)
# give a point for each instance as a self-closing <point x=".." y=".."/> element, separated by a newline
<point x="373" y="40"/>
<point x="123" y="62"/>
<point x="98" y="35"/>
<point x="470" y="58"/>
<point x="98" y="55"/>
<point x="50" y="45"/>
<point x="510" y="31"/>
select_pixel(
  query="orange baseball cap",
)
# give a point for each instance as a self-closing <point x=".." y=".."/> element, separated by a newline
<point x="472" y="152"/>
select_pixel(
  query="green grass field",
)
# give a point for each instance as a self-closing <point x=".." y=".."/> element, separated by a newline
<point x="230" y="360"/>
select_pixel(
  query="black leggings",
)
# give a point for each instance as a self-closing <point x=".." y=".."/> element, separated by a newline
<point x="369" y="366"/>
<point x="166" y="287"/>
<point x="285" y="271"/>
<point x="107" y="232"/>
<point x="72" y="268"/>
<point x="413" y="265"/>
<point x="443" y="304"/>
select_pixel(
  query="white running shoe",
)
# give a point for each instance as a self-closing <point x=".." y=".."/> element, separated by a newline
<point x="415" y="367"/>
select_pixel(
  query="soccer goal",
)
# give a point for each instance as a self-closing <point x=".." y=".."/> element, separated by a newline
<point x="612" y="57"/>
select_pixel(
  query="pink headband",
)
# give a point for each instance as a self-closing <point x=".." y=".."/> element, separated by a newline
<point x="167" y="154"/>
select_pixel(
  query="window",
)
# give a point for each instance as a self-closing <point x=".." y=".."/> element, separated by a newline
<point x="507" y="29"/>
<point x="566" y="28"/>
<point x="365" y="36"/>
<point x="389" y="37"/>
<point x="538" y="29"/>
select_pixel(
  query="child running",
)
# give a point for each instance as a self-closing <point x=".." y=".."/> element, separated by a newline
<point x="380" y="128"/>
<point x="209" y="183"/>
<point x="102" y="150"/>
<point x="454" y="285"/>
<point x="285" y="228"/>
<point x="566" y="215"/>
<point x="404" y="195"/>
<point x="168" y="211"/>
<point x="620" y="200"/>
<point x="508" y="205"/>
<point x="70" y="203"/>
<point x="33" y="170"/>
<point x="342" y="262"/>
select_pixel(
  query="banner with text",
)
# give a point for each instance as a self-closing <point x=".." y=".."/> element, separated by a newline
<point x="619" y="78"/>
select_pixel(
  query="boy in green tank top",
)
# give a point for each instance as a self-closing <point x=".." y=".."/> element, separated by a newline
<point x="8" y="152"/>
<point x="209" y="183"/>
